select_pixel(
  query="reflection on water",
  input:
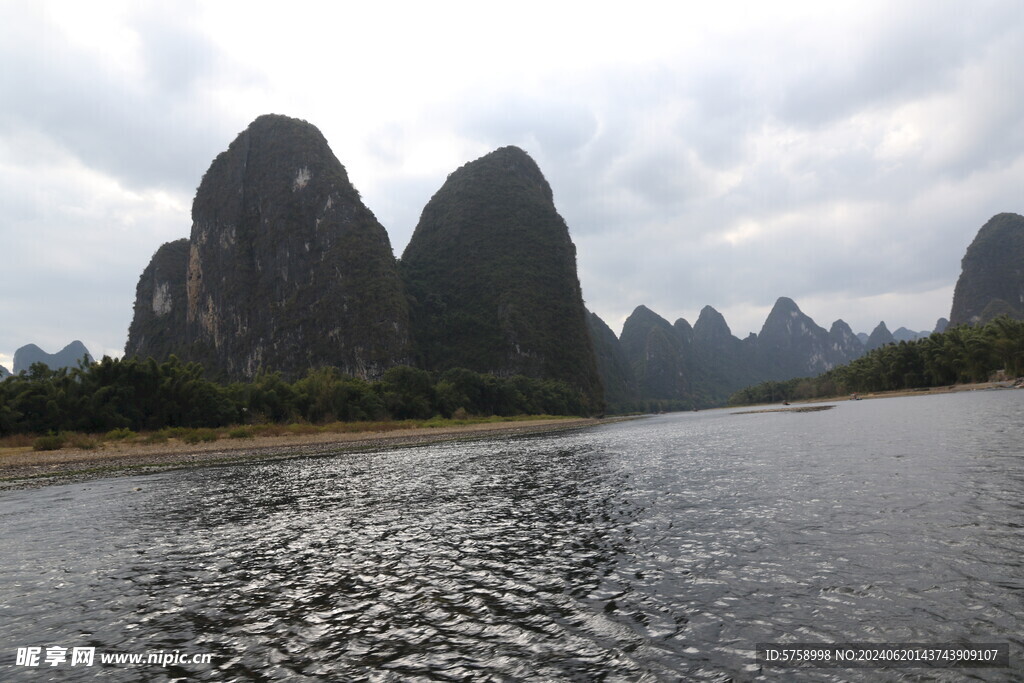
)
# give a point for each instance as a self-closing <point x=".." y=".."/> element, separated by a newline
<point x="657" y="549"/>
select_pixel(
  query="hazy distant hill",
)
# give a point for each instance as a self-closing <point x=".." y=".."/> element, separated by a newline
<point x="4" y="372"/>
<point x="880" y="336"/>
<point x="679" y="366"/>
<point x="491" y="275"/>
<point x="903" y="334"/>
<point x="68" y="357"/>
<point x="991" y="280"/>
<point x="719" y="363"/>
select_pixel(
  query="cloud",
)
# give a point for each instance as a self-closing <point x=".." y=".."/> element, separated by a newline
<point x="841" y="154"/>
<point x="144" y="124"/>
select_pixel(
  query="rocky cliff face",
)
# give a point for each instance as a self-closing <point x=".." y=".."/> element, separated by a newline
<point x="491" y="274"/>
<point x="992" y="273"/>
<point x="790" y="344"/>
<point x="68" y="357"/>
<point x="286" y="268"/>
<point x="158" y="324"/>
<point x="844" y="345"/>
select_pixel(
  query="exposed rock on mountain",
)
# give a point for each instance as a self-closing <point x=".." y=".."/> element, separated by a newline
<point x="4" y="372"/>
<point x="844" y="345"/>
<point x="68" y="357"/>
<point x="992" y="273"/>
<point x="620" y="390"/>
<point x="792" y="345"/>
<point x="880" y="336"/>
<point x="287" y="269"/>
<point x="158" y="325"/>
<point x="655" y="352"/>
<point x="491" y="274"/>
<point x="940" y="325"/>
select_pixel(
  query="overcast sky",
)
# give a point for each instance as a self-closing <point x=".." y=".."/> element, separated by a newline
<point x="841" y="154"/>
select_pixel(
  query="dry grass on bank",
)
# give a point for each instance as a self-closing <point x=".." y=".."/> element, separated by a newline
<point x="19" y="463"/>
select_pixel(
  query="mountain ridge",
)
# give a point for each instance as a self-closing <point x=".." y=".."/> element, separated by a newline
<point x="68" y="357"/>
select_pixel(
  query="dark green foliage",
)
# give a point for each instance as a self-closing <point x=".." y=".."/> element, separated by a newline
<point x="326" y="395"/>
<point x="491" y="275"/>
<point x="408" y="393"/>
<point x="121" y="397"/>
<point x="960" y="354"/>
<point x="991" y="281"/>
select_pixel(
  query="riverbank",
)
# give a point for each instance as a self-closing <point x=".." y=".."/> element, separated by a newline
<point x="25" y="468"/>
<point x="923" y="391"/>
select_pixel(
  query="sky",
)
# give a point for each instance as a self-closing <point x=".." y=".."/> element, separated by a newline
<point x="841" y="154"/>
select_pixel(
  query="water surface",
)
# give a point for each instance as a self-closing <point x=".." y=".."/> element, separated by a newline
<point x="657" y="549"/>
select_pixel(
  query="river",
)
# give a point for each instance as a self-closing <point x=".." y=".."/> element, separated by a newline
<point x="661" y="548"/>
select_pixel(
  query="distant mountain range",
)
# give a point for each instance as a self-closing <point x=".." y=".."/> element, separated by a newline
<point x="286" y="270"/>
<point x="658" y="365"/>
<point x="68" y="357"/>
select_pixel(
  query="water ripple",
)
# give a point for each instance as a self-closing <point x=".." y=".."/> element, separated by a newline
<point x="660" y="549"/>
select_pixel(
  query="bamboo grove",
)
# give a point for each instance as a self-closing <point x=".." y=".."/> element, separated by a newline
<point x="961" y="354"/>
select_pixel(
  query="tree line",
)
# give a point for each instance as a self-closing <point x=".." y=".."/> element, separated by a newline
<point x="142" y="395"/>
<point x="961" y="354"/>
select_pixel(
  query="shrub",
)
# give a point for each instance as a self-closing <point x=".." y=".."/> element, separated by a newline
<point x="241" y="433"/>
<point x="158" y="437"/>
<point x="302" y="428"/>
<point x="271" y="429"/>
<point x="197" y="435"/>
<point x="83" y="441"/>
<point x="120" y="434"/>
<point x="50" y="442"/>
